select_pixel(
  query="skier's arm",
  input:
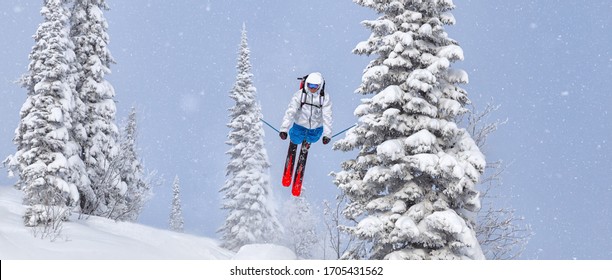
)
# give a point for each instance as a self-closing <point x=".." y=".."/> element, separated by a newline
<point x="327" y="117"/>
<point x="294" y="106"/>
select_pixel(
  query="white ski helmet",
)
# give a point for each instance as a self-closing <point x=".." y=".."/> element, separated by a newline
<point x="314" y="78"/>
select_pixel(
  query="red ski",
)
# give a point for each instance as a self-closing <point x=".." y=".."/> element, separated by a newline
<point x="288" y="172"/>
<point x="299" y="170"/>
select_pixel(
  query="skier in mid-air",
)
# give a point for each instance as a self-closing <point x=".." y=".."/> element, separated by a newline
<point x="310" y="112"/>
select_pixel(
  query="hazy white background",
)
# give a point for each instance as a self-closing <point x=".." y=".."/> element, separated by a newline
<point x="548" y="63"/>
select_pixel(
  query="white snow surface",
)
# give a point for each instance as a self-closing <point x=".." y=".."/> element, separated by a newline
<point x="264" y="252"/>
<point x="95" y="238"/>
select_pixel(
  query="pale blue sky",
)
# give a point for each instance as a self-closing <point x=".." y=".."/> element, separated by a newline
<point x="548" y="63"/>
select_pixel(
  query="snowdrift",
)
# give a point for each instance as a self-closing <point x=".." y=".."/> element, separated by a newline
<point x="93" y="238"/>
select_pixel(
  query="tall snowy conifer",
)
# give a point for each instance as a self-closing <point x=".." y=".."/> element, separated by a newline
<point x="412" y="186"/>
<point x="96" y="131"/>
<point x="45" y="148"/>
<point x="247" y="195"/>
<point x="176" y="214"/>
<point x="131" y="173"/>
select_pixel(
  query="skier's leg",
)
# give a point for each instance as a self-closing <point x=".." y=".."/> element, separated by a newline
<point x="314" y="135"/>
<point x="297" y="134"/>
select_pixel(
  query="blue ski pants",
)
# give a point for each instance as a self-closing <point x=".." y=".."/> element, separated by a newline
<point x="298" y="134"/>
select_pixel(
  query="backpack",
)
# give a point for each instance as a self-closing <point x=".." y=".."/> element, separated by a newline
<point x="303" y="88"/>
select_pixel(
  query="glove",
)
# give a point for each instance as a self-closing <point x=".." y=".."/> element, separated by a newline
<point x="283" y="135"/>
<point x="326" y="140"/>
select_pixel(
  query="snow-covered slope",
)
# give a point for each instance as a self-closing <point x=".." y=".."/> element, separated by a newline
<point x="99" y="238"/>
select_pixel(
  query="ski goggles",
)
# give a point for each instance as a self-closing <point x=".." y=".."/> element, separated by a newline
<point x="312" y="86"/>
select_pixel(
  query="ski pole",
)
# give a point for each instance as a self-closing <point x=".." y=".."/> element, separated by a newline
<point x="270" y="125"/>
<point x="343" y="131"/>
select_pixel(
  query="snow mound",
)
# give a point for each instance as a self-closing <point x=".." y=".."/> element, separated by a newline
<point x="264" y="252"/>
<point x="95" y="238"/>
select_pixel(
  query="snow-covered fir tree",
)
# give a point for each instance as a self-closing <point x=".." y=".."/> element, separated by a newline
<point x="131" y="173"/>
<point x="45" y="148"/>
<point x="412" y="186"/>
<point x="247" y="195"/>
<point x="176" y="214"/>
<point x="300" y="226"/>
<point x="96" y="130"/>
<point x="78" y="170"/>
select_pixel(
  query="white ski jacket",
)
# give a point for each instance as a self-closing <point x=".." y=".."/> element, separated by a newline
<point x="310" y="110"/>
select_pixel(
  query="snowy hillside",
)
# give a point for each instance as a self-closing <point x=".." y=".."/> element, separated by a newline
<point x="99" y="238"/>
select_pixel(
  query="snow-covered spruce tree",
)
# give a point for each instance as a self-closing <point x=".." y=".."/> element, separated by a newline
<point x="300" y="226"/>
<point x="247" y="195"/>
<point x="45" y="150"/>
<point x="96" y="131"/>
<point x="412" y="186"/>
<point x="131" y="173"/>
<point x="176" y="214"/>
